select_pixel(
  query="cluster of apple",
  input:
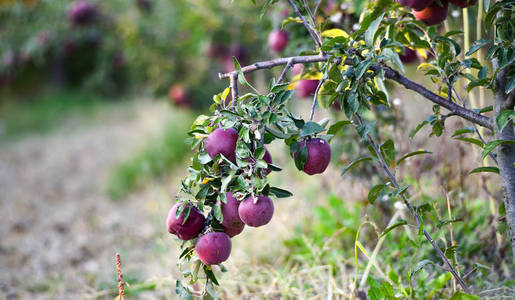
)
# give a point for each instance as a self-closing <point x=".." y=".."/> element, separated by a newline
<point x="188" y="222"/>
<point x="433" y="12"/>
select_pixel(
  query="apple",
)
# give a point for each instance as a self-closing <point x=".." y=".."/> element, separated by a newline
<point x="82" y="12"/>
<point x="408" y="56"/>
<point x="404" y="2"/>
<point x="178" y="95"/>
<point x="278" y="40"/>
<point x="319" y="155"/>
<point x="237" y="51"/>
<point x="297" y="69"/>
<point x="216" y="50"/>
<point x="231" y="223"/>
<point x="256" y="214"/>
<point x="306" y="87"/>
<point x="420" y="4"/>
<point x="185" y="230"/>
<point x="222" y="141"/>
<point x="463" y="3"/>
<point x="213" y="248"/>
<point x="433" y="14"/>
<point x="336" y="105"/>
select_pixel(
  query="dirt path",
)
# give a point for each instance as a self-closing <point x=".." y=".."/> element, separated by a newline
<point x="58" y="230"/>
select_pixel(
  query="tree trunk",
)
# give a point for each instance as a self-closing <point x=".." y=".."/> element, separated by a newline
<point x="506" y="152"/>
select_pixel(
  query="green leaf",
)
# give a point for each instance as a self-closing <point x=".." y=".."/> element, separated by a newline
<point x="333" y="129"/>
<point x="469" y="129"/>
<point x="503" y="118"/>
<point x="397" y="224"/>
<point x="372" y="29"/>
<point x="217" y="211"/>
<point x="491" y="146"/>
<point x="476" y="46"/>
<point x="472" y="140"/>
<point x="420" y="265"/>
<point x="418" y="152"/>
<point x="485" y="169"/>
<point x="182" y="291"/>
<point x="362" y="67"/>
<point x="241" y="76"/>
<point x="510" y="85"/>
<point x="459" y="295"/>
<point x="210" y="274"/>
<point x="280" y="193"/>
<point x="311" y="128"/>
<point x="301" y="158"/>
<point x="389" y="149"/>
<point x="375" y="192"/>
<point x="354" y="163"/>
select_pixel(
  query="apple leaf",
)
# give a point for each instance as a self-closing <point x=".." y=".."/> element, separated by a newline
<point x="418" y="152"/>
<point x="301" y="158"/>
<point x="485" y="169"/>
<point x="280" y="193"/>
<point x="311" y="128"/>
<point x="354" y="163"/>
<point x="491" y="146"/>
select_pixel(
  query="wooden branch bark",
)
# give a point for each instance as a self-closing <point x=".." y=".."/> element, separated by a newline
<point x="506" y="152"/>
<point x="389" y="73"/>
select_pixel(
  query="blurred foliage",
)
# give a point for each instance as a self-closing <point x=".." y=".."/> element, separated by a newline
<point x="129" y="46"/>
<point x="43" y="113"/>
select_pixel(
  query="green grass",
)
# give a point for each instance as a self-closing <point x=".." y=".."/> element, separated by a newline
<point x="43" y="114"/>
<point x="156" y="159"/>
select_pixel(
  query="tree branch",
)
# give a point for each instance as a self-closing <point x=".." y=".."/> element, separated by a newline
<point x="412" y="210"/>
<point x="311" y="31"/>
<point x="234" y="88"/>
<point x="389" y="73"/>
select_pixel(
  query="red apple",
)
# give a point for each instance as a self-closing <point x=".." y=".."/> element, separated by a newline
<point x="433" y="14"/>
<point x="222" y="141"/>
<point x="185" y="230"/>
<point x="178" y="95"/>
<point x="297" y="69"/>
<point x="408" y="56"/>
<point x="256" y="214"/>
<point x="278" y="40"/>
<point x="463" y="3"/>
<point x="419" y="4"/>
<point x="82" y="12"/>
<point x="213" y="248"/>
<point x="319" y="155"/>
<point x="306" y="87"/>
<point x="232" y="224"/>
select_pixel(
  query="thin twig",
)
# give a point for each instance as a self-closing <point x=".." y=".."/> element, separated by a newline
<point x="389" y="73"/>
<point x="121" y="284"/>
<point x="285" y="71"/>
<point x="411" y="209"/>
<point x="234" y="88"/>
<point x="306" y="4"/>
<point x="311" y="31"/>
<point x="315" y="97"/>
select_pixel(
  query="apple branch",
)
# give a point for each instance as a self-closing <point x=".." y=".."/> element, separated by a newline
<point x="412" y="210"/>
<point x="389" y="73"/>
<point x="311" y="31"/>
<point x="234" y="88"/>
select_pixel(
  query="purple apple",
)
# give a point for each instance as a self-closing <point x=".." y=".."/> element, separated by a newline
<point x="256" y="214"/>
<point x="232" y="224"/>
<point x="409" y="56"/>
<point x="222" y="141"/>
<point x="306" y="87"/>
<point x="319" y="155"/>
<point x="278" y="40"/>
<point x="82" y="12"/>
<point x="185" y="230"/>
<point x="213" y="248"/>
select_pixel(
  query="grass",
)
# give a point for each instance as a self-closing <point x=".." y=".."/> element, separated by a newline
<point x="157" y="158"/>
<point x="43" y="114"/>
